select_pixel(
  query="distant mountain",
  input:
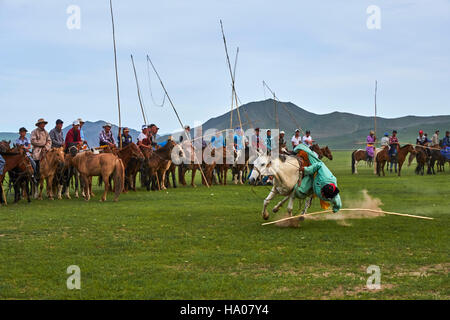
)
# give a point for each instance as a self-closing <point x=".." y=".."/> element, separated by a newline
<point x="337" y="129"/>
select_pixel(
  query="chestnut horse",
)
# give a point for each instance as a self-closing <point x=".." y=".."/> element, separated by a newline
<point x="89" y="164"/>
<point x="381" y="158"/>
<point x="51" y="162"/>
<point x="322" y="152"/>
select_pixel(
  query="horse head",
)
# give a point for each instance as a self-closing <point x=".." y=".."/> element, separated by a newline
<point x="327" y="153"/>
<point x="136" y="152"/>
<point x="261" y="167"/>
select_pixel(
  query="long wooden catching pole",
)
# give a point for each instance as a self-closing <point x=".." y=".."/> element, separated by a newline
<point x="176" y="113"/>
<point x="375" y="115"/>
<point x="138" y="91"/>
<point x="354" y="209"/>
<point x="117" y="75"/>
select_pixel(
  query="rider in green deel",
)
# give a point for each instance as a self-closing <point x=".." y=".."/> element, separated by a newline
<point x="318" y="180"/>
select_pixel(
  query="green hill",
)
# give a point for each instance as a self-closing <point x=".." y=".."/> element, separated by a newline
<point x="339" y="130"/>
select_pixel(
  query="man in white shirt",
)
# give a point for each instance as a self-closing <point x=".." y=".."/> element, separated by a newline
<point x="307" y="139"/>
<point x="296" y="139"/>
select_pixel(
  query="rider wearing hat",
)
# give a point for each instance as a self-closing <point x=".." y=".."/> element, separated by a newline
<point x="106" y="137"/>
<point x="40" y="140"/>
<point x="370" y="147"/>
<point x="318" y="180"/>
<point x="126" y="138"/>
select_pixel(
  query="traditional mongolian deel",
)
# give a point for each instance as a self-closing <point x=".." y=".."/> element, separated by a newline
<point x="317" y="175"/>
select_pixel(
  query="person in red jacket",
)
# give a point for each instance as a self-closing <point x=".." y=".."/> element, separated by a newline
<point x="73" y="136"/>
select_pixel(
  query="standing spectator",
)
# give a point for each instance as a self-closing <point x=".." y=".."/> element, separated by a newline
<point x="269" y="141"/>
<point x="56" y="134"/>
<point x="257" y="141"/>
<point x="217" y="140"/>
<point x="281" y="140"/>
<point x="296" y="139"/>
<point x="370" y="147"/>
<point x="238" y="139"/>
<point x="40" y="140"/>
<point x="307" y="139"/>
<point x="106" y="137"/>
<point x="73" y="137"/>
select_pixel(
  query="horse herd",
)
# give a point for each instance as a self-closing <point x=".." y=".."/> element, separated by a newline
<point x="118" y="169"/>
<point x="424" y="156"/>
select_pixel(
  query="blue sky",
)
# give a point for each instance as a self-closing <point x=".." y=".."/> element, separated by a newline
<point x="319" y="55"/>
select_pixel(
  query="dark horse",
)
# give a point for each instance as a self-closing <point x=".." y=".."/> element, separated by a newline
<point x="15" y="159"/>
<point x="322" y="152"/>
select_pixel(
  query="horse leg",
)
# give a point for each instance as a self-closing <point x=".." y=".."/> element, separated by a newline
<point x="41" y="187"/>
<point x="194" y="169"/>
<point x="50" y="187"/>
<point x="267" y="200"/>
<point x="107" y="186"/>
<point x="280" y="204"/>
<point x="290" y="206"/>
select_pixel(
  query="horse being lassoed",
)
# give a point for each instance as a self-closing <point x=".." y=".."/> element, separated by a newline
<point x="286" y="175"/>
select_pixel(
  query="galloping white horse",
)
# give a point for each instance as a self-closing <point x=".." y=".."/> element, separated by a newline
<point x="286" y="174"/>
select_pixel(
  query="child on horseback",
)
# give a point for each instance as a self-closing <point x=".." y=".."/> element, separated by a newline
<point x="319" y="181"/>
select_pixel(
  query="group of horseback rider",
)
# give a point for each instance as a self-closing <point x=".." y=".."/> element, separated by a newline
<point x="40" y="139"/>
<point x="393" y="144"/>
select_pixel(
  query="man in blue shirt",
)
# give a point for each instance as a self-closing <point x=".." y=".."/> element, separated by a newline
<point x="217" y="140"/>
<point x="25" y="142"/>
<point x="238" y="139"/>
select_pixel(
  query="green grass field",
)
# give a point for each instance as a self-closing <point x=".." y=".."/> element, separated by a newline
<point x="209" y="244"/>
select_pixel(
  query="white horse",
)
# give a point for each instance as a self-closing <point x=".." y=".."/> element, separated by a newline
<point x="286" y="174"/>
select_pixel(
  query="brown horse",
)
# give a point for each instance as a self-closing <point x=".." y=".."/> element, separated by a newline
<point x="222" y="169"/>
<point x="401" y="155"/>
<point x="89" y="164"/>
<point x="132" y="158"/>
<point x="322" y="152"/>
<point x="51" y="161"/>
<point x="382" y="157"/>
<point x="421" y="159"/>
<point x="157" y="163"/>
<point x="357" y="156"/>
<point x="14" y="158"/>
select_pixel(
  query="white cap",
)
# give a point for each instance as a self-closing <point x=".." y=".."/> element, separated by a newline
<point x="282" y="132"/>
<point x="80" y="120"/>
<point x="76" y="123"/>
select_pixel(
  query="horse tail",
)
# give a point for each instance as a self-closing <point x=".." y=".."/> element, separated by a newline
<point x="353" y="161"/>
<point x="119" y="178"/>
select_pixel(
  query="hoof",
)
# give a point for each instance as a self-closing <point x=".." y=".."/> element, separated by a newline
<point x="265" y="215"/>
<point x="275" y="210"/>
